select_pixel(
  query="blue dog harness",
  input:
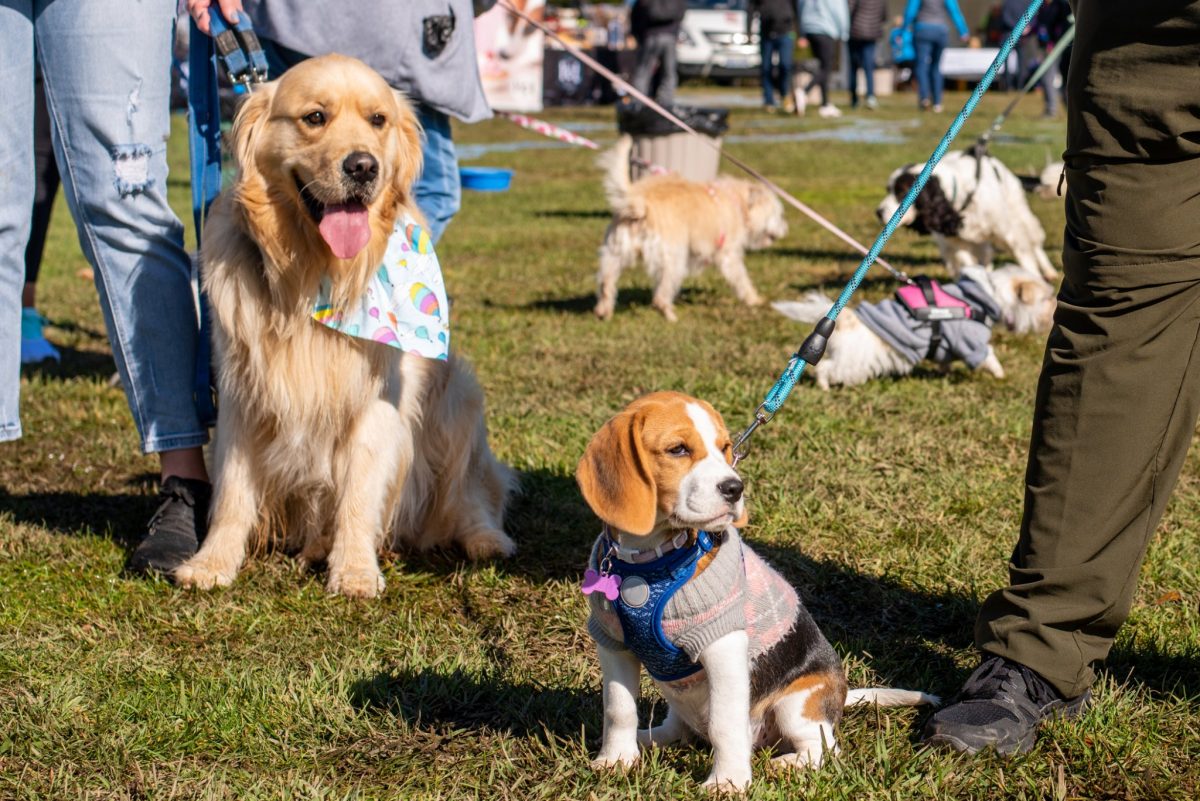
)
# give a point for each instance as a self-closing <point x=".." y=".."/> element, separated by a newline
<point x="645" y="590"/>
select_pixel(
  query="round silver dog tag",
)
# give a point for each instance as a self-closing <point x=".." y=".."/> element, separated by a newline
<point x="635" y="591"/>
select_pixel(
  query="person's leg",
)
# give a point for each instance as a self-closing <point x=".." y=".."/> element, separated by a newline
<point x="786" y="47"/>
<point x="1117" y="400"/>
<point x="923" y="45"/>
<point x="936" y="83"/>
<point x="438" y="191"/>
<point x="766" y="69"/>
<point x="647" y="61"/>
<point x="35" y="348"/>
<point x="867" y="57"/>
<point x="855" y="50"/>
<point x="16" y="165"/>
<point x="668" y="77"/>
<point x="823" y="49"/>
<point x="1050" y="96"/>
<point x="107" y="79"/>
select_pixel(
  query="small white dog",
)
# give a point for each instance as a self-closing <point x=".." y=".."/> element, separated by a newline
<point x="887" y="339"/>
<point x="673" y="588"/>
<point x="971" y="206"/>
<point x="677" y="226"/>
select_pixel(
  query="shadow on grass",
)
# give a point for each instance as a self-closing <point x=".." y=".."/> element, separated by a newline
<point x="634" y="297"/>
<point x="456" y="699"/>
<point x="574" y="214"/>
<point x="1172" y="675"/>
<point x="75" y="364"/>
<point x="123" y="517"/>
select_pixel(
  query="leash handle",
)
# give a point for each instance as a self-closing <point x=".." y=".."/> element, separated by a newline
<point x="814" y="345"/>
<point x="238" y="49"/>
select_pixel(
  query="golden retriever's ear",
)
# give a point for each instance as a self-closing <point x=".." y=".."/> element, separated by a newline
<point x="614" y="476"/>
<point x="408" y="147"/>
<point x="248" y="123"/>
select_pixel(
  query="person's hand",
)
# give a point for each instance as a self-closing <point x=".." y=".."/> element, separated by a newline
<point x="802" y="42"/>
<point x="199" y="9"/>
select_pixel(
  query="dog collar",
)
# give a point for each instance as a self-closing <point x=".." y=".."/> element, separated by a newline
<point x="405" y="304"/>
<point x="642" y="555"/>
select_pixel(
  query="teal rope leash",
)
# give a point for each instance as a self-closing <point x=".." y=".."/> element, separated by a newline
<point x="813" y="348"/>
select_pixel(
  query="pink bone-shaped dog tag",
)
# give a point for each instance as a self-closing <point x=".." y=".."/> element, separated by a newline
<point x="605" y="583"/>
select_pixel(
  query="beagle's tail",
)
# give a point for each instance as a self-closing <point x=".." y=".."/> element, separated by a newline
<point x="615" y="163"/>
<point x="887" y="696"/>
<point x="810" y="308"/>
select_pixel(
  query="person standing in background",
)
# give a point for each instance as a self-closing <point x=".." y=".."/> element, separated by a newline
<point x="655" y="26"/>
<point x="867" y="18"/>
<point x="823" y="25"/>
<point x="777" y="37"/>
<point x="930" y="23"/>
<point x="35" y="348"/>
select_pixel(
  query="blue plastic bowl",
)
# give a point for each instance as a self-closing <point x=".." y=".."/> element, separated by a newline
<point x="486" y="179"/>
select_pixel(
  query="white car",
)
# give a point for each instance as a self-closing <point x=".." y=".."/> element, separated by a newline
<point x="713" y="41"/>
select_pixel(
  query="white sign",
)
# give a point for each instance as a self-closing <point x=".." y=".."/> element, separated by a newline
<point x="510" y="57"/>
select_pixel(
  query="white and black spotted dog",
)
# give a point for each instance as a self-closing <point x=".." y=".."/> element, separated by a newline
<point x="971" y="206"/>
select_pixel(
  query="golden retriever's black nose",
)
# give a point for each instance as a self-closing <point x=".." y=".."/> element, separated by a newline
<point x="361" y="167"/>
<point x="731" y="489"/>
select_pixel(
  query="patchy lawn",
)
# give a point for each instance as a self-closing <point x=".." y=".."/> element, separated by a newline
<point x="892" y="506"/>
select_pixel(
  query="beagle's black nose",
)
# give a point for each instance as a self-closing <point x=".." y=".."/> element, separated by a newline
<point x="731" y="489"/>
<point x="361" y="167"/>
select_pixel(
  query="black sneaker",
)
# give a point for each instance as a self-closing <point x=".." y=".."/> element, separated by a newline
<point x="1001" y="706"/>
<point x="177" y="528"/>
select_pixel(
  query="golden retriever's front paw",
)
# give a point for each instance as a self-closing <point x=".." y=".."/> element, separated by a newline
<point x="356" y="583"/>
<point x="201" y="574"/>
<point x="615" y="760"/>
<point x="487" y="544"/>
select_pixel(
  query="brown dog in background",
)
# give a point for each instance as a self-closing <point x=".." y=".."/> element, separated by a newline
<point x="331" y="445"/>
<point x="677" y="226"/>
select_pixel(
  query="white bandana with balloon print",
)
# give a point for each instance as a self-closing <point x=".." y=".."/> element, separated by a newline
<point x="405" y="303"/>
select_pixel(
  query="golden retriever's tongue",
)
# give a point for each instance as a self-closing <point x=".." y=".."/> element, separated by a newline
<point x="346" y="228"/>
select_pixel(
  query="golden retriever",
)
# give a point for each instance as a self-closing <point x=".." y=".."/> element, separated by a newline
<point x="332" y="445"/>
<point x="676" y="226"/>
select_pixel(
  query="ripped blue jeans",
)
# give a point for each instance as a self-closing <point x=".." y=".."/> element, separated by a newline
<point x="106" y="66"/>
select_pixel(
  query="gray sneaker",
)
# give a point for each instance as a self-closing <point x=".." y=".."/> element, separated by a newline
<point x="1001" y="706"/>
<point x="177" y="528"/>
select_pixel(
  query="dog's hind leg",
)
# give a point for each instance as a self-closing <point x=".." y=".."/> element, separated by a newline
<point x="614" y="258"/>
<point x="668" y="267"/>
<point x="732" y="265"/>
<point x="803" y="722"/>
<point x="236" y="502"/>
<point x="366" y="467"/>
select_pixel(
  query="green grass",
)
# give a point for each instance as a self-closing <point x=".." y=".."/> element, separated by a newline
<point x="892" y="506"/>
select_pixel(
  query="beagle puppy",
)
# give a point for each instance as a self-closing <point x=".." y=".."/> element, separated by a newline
<point x="673" y="588"/>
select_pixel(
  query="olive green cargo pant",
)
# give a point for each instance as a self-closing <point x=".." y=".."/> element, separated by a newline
<point x="1119" y="394"/>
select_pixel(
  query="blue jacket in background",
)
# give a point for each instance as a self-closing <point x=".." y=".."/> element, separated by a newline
<point x="935" y="12"/>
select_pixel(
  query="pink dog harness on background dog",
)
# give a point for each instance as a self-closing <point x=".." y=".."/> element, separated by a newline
<point x="926" y="300"/>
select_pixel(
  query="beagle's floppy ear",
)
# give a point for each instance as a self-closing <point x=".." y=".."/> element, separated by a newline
<point x="248" y="124"/>
<point x="407" y="134"/>
<point x="614" y="476"/>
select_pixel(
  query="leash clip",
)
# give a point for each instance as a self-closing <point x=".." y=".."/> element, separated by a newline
<point x="741" y="445"/>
